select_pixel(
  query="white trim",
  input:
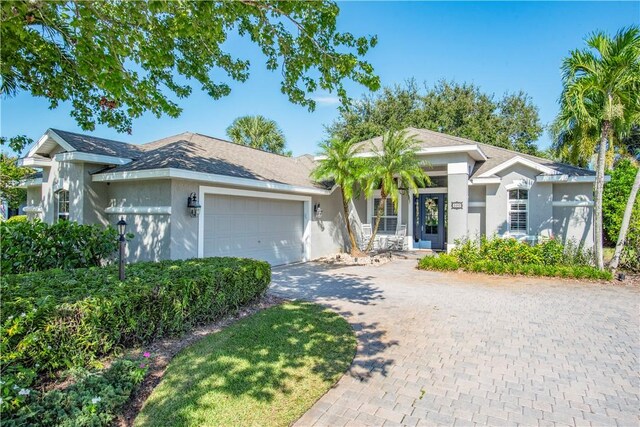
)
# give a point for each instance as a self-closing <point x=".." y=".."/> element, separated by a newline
<point x="521" y="160"/>
<point x="436" y="173"/>
<point x="165" y="173"/>
<point x="523" y="184"/>
<point x="34" y="162"/>
<point x="26" y="183"/>
<point x="306" y="236"/>
<point x="77" y="156"/>
<point x="433" y="190"/>
<point x="570" y="179"/>
<point x="474" y="152"/>
<point x="485" y="181"/>
<point x="370" y="213"/>
<point x="50" y="134"/>
<point x="571" y="203"/>
<point x="458" y="168"/>
<point x="517" y="201"/>
<point x="150" y="210"/>
<point x="477" y="204"/>
<point x="32" y="209"/>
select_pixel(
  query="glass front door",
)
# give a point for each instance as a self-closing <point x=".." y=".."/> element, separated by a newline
<point x="430" y="224"/>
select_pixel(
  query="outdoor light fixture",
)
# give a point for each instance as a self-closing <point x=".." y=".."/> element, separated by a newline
<point x="193" y="205"/>
<point x="317" y="210"/>
<point x="122" y="226"/>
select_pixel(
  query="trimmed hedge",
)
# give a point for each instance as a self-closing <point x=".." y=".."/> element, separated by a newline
<point x="61" y="319"/>
<point x="508" y="256"/>
<point x="35" y="246"/>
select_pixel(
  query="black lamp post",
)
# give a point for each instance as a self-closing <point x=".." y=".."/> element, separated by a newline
<point x="122" y="225"/>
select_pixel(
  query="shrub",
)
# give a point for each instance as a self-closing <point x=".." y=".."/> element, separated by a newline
<point x="62" y="319"/>
<point x="614" y="202"/>
<point x="509" y="256"/>
<point x="17" y="218"/>
<point x="93" y="400"/>
<point x="35" y="246"/>
<point x="566" y="271"/>
<point x="442" y="262"/>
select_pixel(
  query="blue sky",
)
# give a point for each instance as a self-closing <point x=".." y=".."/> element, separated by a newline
<point x="505" y="46"/>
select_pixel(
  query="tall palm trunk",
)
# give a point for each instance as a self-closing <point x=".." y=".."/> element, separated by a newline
<point x="352" y="240"/>
<point x="379" y="212"/>
<point x="599" y="188"/>
<point x="626" y="219"/>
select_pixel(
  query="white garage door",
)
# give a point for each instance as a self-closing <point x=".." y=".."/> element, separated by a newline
<point x="250" y="227"/>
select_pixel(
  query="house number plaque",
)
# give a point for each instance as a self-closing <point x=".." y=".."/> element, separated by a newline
<point x="456" y="205"/>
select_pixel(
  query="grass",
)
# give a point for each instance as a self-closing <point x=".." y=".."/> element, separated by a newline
<point x="267" y="369"/>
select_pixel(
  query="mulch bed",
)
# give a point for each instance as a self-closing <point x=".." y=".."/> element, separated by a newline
<point x="162" y="351"/>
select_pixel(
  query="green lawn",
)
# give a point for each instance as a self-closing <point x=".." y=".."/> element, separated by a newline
<point x="267" y="370"/>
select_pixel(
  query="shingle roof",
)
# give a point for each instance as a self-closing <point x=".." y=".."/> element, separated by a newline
<point x="495" y="155"/>
<point x="95" y="145"/>
<point x="201" y="153"/>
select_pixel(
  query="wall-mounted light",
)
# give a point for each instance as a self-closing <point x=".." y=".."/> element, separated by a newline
<point x="193" y="205"/>
<point x="317" y="210"/>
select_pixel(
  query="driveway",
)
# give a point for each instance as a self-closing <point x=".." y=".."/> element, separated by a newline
<point x="460" y="349"/>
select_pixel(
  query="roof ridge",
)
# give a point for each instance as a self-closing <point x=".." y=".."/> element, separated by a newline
<point x="243" y="146"/>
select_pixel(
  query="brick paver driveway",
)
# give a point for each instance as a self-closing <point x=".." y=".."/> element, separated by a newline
<point x="463" y="349"/>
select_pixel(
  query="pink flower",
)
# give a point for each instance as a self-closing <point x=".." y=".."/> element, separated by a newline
<point x="147" y="354"/>
<point x="142" y="365"/>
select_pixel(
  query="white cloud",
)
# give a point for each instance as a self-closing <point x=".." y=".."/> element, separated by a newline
<point x="327" y="100"/>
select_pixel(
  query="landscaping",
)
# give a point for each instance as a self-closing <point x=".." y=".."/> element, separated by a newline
<point x="56" y="320"/>
<point x="267" y="369"/>
<point x="509" y="256"/>
<point x="35" y="245"/>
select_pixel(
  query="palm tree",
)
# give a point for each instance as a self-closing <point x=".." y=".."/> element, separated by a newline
<point x="601" y="89"/>
<point x="340" y="164"/>
<point x="396" y="161"/>
<point x="258" y="132"/>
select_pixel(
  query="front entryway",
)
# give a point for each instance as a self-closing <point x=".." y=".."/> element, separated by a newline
<point x="430" y="229"/>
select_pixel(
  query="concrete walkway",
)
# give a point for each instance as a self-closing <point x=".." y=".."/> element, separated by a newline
<point x="457" y="349"/>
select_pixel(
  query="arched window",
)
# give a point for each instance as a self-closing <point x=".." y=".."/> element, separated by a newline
<point x="518" y="214"/>
<point x="63" y="205"/>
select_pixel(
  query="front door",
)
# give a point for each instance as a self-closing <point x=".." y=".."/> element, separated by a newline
<point x="430" y="210"/>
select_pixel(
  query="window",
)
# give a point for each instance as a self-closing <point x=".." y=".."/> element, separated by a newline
<point x="518" y="211"/>
<point x="389" y="219"/>
<point x="63" y="205"/>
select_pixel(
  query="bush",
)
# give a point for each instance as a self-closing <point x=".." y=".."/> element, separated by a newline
<point x="94" y="399"/>
<point x="568" y="271"/>
<point x="62" y="319"/>
<point x="614" y="202"/>
<point x="509" y="256"/>
<point x="34" y="245"/>
<point x="17" y="218"/>
<point x="442" y="262"/>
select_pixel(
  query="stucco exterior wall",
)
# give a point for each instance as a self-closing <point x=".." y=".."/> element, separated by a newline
<point x="152" y="232"/>
<point x="184" y="228"/>
<point x="63" y="176"/>
<point x="573" y="222"/>
<point x="328" y="234"/>
<point x="151" y="236"/>
<point x="95" y="197"/>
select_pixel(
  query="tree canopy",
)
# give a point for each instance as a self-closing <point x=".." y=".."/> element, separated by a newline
<point x="115" y="60"/>
<point x="10" y="176"/>
<point x="457" y="109"/>
<point x="258" y="132"/>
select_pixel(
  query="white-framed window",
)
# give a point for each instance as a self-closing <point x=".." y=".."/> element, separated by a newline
<point x="389" y="218"/>
<point x="518" y="214"/>
<point x="62" y="205"/>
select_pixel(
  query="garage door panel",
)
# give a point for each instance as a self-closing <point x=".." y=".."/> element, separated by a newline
<point x="266" y="229"/>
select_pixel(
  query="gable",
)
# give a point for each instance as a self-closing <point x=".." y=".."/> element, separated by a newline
<point x="518" y="161"/>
